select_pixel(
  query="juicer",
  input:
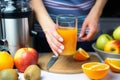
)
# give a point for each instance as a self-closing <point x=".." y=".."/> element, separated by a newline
<point x="17" y="24"/>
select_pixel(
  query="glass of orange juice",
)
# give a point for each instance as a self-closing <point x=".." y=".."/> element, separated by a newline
<point x="67" y="28"/>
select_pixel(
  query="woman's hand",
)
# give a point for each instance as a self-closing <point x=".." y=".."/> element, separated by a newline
<point x="54" y="40"/>
<point x="90" y="24"/>
<point x="49" y="27"/>
<point x="91" y="21"/>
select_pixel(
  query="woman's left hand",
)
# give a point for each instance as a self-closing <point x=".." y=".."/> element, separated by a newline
<point x="90" y="25"/>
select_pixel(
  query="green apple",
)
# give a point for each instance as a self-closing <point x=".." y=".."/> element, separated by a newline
<point x="102" y="39"/>
<point x="116" y="33"/>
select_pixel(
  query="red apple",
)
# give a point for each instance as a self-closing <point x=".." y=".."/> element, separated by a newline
<point x="112" y="46"/>
<point x="25" y="57"/>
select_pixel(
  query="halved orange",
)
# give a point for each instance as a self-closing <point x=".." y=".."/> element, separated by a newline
<point x="81" y="54"/>
<point x="95" y="70"/>
<point x="113" y="63"/>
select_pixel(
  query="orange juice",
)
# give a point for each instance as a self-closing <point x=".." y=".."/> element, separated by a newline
<point x="69" y="35"/>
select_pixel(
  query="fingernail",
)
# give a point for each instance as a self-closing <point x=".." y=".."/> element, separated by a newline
<point x="80" y="36"/>
<point x="62" y="47"/>
<point x="59" y="50"/>
<point x="61" y="39"/>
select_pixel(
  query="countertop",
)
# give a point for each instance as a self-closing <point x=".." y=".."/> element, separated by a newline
<point x="81" y="76"/>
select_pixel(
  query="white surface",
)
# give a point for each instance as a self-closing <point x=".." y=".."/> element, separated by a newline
<point x="81" y="76"/>
<point x="53" y="76"/>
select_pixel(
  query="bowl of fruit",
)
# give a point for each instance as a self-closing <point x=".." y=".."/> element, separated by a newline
<point x="104" y="54"/>
<point x="108" y="46"/>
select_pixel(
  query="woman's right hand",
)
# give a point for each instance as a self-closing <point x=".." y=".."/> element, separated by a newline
<point x="54" y="40"/>
<point x="49" y="27"/>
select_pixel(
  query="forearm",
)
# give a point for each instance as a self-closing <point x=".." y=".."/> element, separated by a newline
<point x="97" y="9"/>
<point x="41" y="13"/>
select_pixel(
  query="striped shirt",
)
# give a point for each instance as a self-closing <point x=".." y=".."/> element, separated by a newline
<point x="76" y="7"/>
<point x="79" y="8"/>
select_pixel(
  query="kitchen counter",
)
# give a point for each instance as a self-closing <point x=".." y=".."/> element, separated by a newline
<point x="81" y="76"/>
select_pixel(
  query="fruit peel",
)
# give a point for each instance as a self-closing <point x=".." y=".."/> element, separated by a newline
<point x="93" y="73"/>
<point x="32" y="72"/>
<point x="116" y="33"/>
<point x="25" y="57"/>
<point x="8" y="74"/>
<point x="112" y="46"/>
<point x="6" y="60"/>
<point x="81" y="54"/>
<point x="102" y="40"/>
<point x="114" y="64"/>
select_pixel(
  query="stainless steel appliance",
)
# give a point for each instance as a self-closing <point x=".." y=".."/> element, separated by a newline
<point x="17" y="19"/>
<point x="0" y="22"/>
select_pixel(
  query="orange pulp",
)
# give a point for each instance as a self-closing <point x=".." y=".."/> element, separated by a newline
<point x="69" y="35"/>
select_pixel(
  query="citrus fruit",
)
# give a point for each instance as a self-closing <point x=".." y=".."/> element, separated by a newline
<point x="6" y="60"/>
<point x="95" y="70"/>
<point x="8" y="74"/>
<point x="113" y="63"/>
<point x="81" y="54"/>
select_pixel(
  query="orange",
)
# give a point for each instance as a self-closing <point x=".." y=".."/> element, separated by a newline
<point x="81" y="54"/>
<point x="95" y="70"/>
<point x="6" y="60"/>
<point x="113" y="63"/>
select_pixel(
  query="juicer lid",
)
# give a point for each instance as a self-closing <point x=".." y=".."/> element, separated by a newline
<point x="13" y="6"/>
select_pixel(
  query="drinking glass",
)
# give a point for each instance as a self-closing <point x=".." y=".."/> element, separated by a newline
<point x="67" y="28"/>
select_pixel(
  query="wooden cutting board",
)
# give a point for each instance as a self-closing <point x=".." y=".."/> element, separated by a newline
<point x="64" y="64"/>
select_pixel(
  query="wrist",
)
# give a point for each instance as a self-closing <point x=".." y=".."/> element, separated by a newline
<point x="98" y="8"/>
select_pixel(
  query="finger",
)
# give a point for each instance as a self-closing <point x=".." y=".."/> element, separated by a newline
<point x="57" y="40"/>
<point x="83" y="30"/>
<point x="55" y="45"/>
<point x="91" y="34"/>
<point x="57" y="36"/>
<point x="54" y="52"/>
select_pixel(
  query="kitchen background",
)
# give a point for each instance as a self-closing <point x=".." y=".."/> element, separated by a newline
<point x="110" y="17"/>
